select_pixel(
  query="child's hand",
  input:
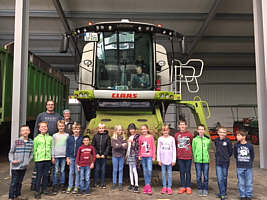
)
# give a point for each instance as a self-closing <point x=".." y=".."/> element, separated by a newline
<point x="92" y="166"/>
<point x="97" y="156"/>
<point x="16" y="162"/>
<point x="130" y="140"/>
<point x="124" y="144"/>
<point x="173" y="163"/>
<point x="53" y="160"/>
<point x="68" y="161"/>
<point x="102" y="156"/>
<point x="78" y="167"/>
<point x="139" y="158"/>
<point x="160" y="163"/>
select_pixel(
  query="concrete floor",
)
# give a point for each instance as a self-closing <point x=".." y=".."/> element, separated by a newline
<point x="260" y="185"/>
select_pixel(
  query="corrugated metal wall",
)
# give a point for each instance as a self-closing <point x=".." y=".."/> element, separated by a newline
<point x="228" y="92"/>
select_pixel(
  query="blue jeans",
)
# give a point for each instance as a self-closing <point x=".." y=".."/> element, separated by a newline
<point x="202" y="168"/>
<point x="42" y="169"/>
<point x="147" y="168"/>
<point x="74" y="170"/>
<point x="118" y="164"/>
<point x="245" y="182"/>
<point x="16" y="183"/>
<point x="222" y="174"/>
<point x="167" y="168"/>
<point x="185" y="172"/>
<point x="100" y="165"/>
<point x="60" y="164"/>
<point x="85" y="177"/>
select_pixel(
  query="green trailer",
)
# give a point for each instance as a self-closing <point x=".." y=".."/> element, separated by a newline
<point x="44" y="83"/>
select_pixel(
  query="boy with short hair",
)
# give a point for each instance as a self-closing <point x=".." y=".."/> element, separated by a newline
<point x="201" y="147"/>
<point x="73" y="144"/>
<point x="86" y="157"/>
<point x="42" y="157"/>
<point x="224" y="150"/>
<point x="102" y="143"/>
<point x="20" y="155"/>
<point x="244" y="154"/>
<point x="184" y="155"/>
<point x="59" y="156"/>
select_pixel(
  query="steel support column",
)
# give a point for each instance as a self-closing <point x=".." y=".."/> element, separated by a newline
<point x="260" y="32"/>
<point x="20" y="67"/>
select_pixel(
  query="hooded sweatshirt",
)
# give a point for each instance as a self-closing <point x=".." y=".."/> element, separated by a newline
<point x="42" y="147"/>
<point x="147" y="146"/>
<point x="22" y="151"/>
<point x="85" y="156"/>
<point x="184" y="145"/>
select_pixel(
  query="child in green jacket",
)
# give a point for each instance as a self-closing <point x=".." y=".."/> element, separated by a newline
<point x="201" y="147"/>
<point x="42" y="152"/>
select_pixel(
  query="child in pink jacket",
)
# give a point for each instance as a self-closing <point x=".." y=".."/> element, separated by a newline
<point x="147" y="155"/>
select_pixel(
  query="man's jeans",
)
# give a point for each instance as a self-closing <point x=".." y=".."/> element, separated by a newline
<point x="85" y="178"/>
<point x="60" y="164"/>
<point x="118" y="164"/>
<point x="167" y="168"/>
<point x="100" y="165"/>
<point x="16" y="183"/>
<point x="185" y="172"/>
<point x="74" y="170"/>
<point x="147" y="168"/>
<point x="222" y="174"/>
<point x="202" y="168"/>
<point x="245" y="182"/>
<point x="42" y="169"/>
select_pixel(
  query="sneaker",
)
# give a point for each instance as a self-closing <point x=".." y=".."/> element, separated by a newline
<point x="188" y="190"/>
<point x="68" y="190"/>
<point x="87" y="193"/>
<point x="149" y="190"/>
<point x="136" y="189"/>
<point x="243" y="198"/>
<point x="75" y="191"/>
<point x="96" y="185"/>
<point x="130" y="188"/>
<point x="45" y="192"/>
<point x="54" y="190"/>
<point x="170" y="192"/>
<point x="181" y="190"/>
<point x="248" y="198"/>
<point x="223" y="197"/>
<point x="200" y="193"/>
<point x="205" y="193"/>
<point x="145" y="189"/>
<point x="37" y="195"/>
<point x="63" y="188"/>
<point x="103" y="186"/>
<point x="113" y="187"/>
<point x="120" y="187"/>
<point x="163" y="190"/>
<point x="80" y="193"/>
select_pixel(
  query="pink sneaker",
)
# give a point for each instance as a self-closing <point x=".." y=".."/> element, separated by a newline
<point x="145" y="189"/>
<point x="169" y="191"/>
<point x="149" y="190"/>
<point x="163" y="190"/>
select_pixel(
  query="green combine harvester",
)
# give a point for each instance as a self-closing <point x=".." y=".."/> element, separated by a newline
<point x="126" y="75"/>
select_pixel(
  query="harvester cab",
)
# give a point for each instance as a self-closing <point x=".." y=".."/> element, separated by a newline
<point x="126" y="74"/>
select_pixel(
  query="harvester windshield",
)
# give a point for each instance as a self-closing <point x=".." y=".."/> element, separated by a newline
<point x="124" y="61"/>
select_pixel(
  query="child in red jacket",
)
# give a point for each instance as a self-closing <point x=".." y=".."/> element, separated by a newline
<point x="86" y="157"/>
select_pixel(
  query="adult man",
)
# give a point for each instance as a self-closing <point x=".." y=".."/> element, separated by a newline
<point x="68" y="121"/>
<point x="49" y="116"/>
<point x="140" y="80"/>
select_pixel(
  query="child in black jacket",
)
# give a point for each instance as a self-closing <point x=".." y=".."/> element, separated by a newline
<point x="224" y="150"/>
<point x="101" y="142"/>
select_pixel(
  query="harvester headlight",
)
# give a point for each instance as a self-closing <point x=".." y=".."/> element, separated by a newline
<point x="167" y="95"/>
<point x="102" y="27"/>
<point x="162" y="95"/>
<point x="97" y="27"/>
<point x="164" y="32"/>
<point x="84" y="30"/>
<point x="78" y="31"/>
<point x="139" y="28"/>
<point x="147" y="28"/>
<point x="110" y="28"/>
<point x="80" y="95"/>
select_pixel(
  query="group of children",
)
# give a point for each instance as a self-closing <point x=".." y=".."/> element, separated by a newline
<point x="81" y="157"/>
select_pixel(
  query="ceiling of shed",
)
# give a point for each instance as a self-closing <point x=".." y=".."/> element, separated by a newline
<point x="225" y="41"/>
